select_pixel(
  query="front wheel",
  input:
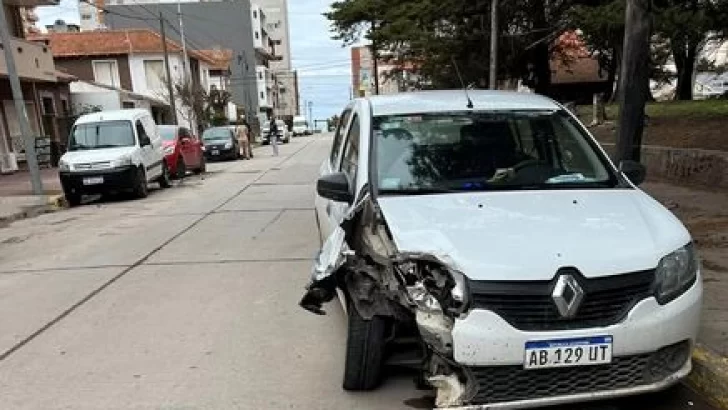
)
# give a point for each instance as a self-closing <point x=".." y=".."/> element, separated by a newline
<point x="164" y="179"/>
<point x="364" y="351"/>
<point x="141" y="190"/>
<point x="202" y="168"/>
<point x="181" y="168"/>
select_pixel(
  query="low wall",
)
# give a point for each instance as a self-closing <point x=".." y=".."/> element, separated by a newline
<point x="684" y="166"/>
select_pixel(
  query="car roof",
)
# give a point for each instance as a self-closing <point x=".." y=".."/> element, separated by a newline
<point x="112" y="115"/>
<point x="420" y="102"/>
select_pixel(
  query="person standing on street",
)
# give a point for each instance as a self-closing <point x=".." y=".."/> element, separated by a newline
<point x="251" y="136"/>
<point x="274" y="135"/>
<point x="243" y="134"/>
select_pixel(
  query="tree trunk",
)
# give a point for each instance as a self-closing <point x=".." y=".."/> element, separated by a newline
<point x="541" y="56"/>
<point x="611" y="93"/>
<point x="634" y="79"/>
<point x="684" y="52"/>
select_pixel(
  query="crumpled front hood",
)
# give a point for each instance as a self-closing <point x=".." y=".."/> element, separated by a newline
<point x="529" y="235"/>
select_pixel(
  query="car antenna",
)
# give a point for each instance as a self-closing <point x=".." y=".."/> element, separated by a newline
<point x="462" y="83"/>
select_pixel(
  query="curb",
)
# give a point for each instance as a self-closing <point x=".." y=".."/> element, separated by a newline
<point x="710" y="376"/>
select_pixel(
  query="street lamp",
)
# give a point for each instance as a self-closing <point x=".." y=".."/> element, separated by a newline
<point x="310" y="114"/>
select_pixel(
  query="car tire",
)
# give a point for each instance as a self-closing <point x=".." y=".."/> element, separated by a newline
<point x="202" y="168"/>
<point x="364" y="351"/>
<point x="181" y="168"/>
<point x="73" y="199"/>
<point x="165" y="179"/>
<point x="141" y="189"/>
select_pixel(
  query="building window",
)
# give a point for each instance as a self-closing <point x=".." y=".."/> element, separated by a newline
<point x="85" y="17"/>
<point x="257" y="35"/>
<point x="106" y="72"/>
<point x="154" y="73"/>
<point x="262" y="95"/>
<point x="255" y="14"/>
<point x="48" y="107"/>
<point x="127" y="105"/>
<point x="260" y="75"/>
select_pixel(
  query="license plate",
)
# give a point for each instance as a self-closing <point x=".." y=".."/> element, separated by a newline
<point x="93" y="180"/>
<point x="587" y="351"/>
<point x="215" y="152"/>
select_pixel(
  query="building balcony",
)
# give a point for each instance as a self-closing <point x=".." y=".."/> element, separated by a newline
<point x="33" y="61"/>
<point x="31" y="3"/>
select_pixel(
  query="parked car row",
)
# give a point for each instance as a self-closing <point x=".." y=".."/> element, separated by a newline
<point x="124" y="151"/>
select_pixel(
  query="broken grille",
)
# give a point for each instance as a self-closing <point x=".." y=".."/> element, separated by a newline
<point x="498" y="384"/>
<point x="529" y="305"/>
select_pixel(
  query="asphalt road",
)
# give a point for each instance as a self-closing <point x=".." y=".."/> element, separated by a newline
<point x="188" y="300"/>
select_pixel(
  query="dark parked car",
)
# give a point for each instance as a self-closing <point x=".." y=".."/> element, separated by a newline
<point x="220" y="143"/>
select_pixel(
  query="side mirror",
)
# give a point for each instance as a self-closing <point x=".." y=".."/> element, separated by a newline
<point x="633" y="170"/>
<point x="335" y="187"/>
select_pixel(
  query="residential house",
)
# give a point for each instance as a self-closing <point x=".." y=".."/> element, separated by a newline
<point x="131" y="61"/>
<point x="207" y="25"/>
<point x="220" y="77"/>
<point x="393" y="78"/>
<point x="45" y="91"/>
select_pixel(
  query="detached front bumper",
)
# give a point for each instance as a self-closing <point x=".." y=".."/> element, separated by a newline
<point x="490" y="352"/>
<point x="99" y="181"/>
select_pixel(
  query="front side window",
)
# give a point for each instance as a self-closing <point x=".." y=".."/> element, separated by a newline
<point x="339" y="137"/>
<point x="350" y="160"/>
<point x="467" y="151"/>
<point x="109" y="134"/>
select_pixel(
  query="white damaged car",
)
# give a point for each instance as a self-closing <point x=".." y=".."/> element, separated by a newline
<point x="487" y="241"/>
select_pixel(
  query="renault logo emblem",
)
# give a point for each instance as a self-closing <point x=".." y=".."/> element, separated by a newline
<point x="567" y="295"/>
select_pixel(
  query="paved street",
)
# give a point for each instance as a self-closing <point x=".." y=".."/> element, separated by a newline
<point x="188" y="300"/>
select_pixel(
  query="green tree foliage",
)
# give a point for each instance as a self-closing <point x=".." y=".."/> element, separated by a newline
<point x="432" y="34"/>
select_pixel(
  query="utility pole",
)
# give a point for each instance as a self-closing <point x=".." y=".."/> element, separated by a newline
<point x="493" y="82"/>
<point x="185" y="60"/>
<point x="310" y="111"/>
<point x="170" y="88"/>
<point x="30" y="156"/>
<point x="634" y="79"/>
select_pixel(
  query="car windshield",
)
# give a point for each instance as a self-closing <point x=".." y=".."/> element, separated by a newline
<point x="97" y="135"/>
<point x="168" y="133"/>
<point x="505" y="150"/>
<point x="216" y="134"/>
<point x="299" y="123"/>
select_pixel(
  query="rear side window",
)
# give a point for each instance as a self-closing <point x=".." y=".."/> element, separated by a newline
<point x="350" y="159"/>
<point x="339" y="138"/>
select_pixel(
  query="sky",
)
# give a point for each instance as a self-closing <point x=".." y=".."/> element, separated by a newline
<point x="324" y="67"/>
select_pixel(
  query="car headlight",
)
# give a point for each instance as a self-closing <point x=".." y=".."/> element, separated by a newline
<point x="64" y="165"/>
<point x="675" y="274"/>
<point x="168" y="150"/>
<point x="124" y="161"/>
<point x="228" y="145"/>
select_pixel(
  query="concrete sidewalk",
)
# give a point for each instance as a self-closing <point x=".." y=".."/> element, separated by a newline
<point x="705" y="213"/>
<point x="16" y="195"/>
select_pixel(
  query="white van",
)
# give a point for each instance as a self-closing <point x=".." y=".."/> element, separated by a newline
<point x="113" y="151"/>
<point x="300" y="126"/>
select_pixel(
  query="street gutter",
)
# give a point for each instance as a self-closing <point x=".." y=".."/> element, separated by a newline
<point x="710" y="376"/>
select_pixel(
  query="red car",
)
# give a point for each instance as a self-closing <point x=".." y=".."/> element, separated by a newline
<point x="183" y="151"/>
